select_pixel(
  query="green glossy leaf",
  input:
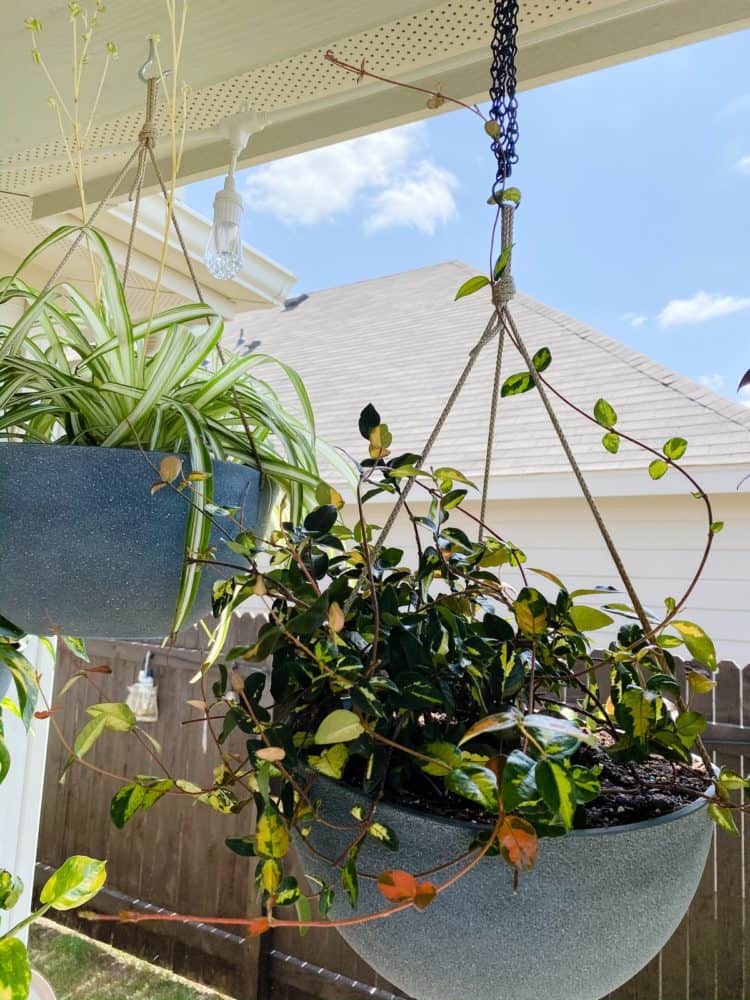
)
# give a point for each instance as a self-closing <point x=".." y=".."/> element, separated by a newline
<point x="75" y="882"/>
<point x="88" y="736"/>
<point x="15" y="971"/>
<point x="589" y="619"/>
<point x="349" y="878"/>
<point x="471" y="286"/>
<point x="136" y="797"/>
<point x="369" y="419"/>
<point x="675" y="448"/>
<point x="384" y="834"/>
<point x="447" y="754"/>
<point x="321" y="520"/>
<point x="447" y="474"/>
<point x="340" y="726"/>
<point x="558" y="790"/>
<point x="502" y="262"/>
<point x="554" y="726"/>
<point x="516" y="384"/>
<point x="531" y="611"/>
<point x="542" y="359"/>
<point x="723" y="817"/>
<point x="604" y="413"/>
<point x="476" y="783"/>
<point x="242" y="846"/>
<point x="117" y="716"/>
<point x="498" y="722"/>
<point x="11" y="888"/>
<point x="76" y="646"/>
<point x="4" y="760"/>
<point x="699" y="644"/>
<point x="689" y="727"/>
<point x="716" y="527"/>
<point x="271" y="835"/>
<point x="635" y="711"/>
<point x="331" y="762"/>
<point x="288" y="892"/>
<point x="658" y="468"/>
<point x="611" y="442"/>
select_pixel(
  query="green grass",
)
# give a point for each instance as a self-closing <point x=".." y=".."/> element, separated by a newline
<point x="80" y="969"/>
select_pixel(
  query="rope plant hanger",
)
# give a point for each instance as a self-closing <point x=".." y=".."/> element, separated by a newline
<point x="502" y="127"/>
<point x="142" y="154"/>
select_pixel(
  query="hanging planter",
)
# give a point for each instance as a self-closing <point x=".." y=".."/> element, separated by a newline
<point x="94" y="530"/>
<point x="553" y="939"/>
<point x="88" y="549"/>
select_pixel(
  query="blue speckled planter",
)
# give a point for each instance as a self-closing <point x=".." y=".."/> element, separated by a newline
<point x="597" y="907"/>
<point x="85" y="548"/>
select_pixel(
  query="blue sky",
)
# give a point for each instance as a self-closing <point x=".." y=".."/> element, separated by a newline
<point x="635" y="218"/>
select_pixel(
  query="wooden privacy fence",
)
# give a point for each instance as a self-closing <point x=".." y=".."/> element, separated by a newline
<point x="175" y="859"/>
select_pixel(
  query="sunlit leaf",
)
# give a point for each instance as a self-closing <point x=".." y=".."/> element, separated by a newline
<point x="75" y="882"/>
<point x="271" y="835"/>
<point x="340" y="726"/>
<point x="472" y="285"/>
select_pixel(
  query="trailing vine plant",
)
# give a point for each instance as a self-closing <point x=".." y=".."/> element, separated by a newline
<point x="439" y="682"/>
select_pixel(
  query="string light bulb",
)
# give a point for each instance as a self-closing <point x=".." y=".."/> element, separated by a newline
<point x="224" y="253"/>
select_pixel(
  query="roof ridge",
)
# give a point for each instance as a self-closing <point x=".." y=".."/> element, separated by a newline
<point x="388" y="277"/>
<point x="647" y="366"/>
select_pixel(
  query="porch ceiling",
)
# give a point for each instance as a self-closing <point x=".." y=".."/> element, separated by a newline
<point x="271" y="57"/>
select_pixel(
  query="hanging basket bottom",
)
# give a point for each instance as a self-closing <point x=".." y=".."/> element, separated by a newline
<point x="597" y="907"/>
<point x="86" y="550"/>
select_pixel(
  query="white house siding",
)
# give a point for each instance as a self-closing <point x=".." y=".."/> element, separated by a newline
<point x="660" y="538"/>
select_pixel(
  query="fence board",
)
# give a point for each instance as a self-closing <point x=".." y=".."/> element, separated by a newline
<point x="175" y="857"/>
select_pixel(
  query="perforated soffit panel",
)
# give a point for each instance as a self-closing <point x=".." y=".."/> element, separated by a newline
<point x="312" y="102"/>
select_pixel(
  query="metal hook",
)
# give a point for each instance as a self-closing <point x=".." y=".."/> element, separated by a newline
<point x="150" y="69"/>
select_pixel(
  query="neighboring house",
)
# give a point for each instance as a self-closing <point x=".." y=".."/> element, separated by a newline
<point x="400" y="343"/>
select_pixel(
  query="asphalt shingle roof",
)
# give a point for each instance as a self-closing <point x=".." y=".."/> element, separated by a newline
<point x="401" y="341"/>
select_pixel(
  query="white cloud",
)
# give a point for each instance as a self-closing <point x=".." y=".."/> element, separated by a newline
<point x="379" y="170"/>
<point x="714" y="382"/>
<point x="635" y="319"/>
<point x="701" y="308"/>
<point x="743" y="165"/>
<point x="422" y="200"/>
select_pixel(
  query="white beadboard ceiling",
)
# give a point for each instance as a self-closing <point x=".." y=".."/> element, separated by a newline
<point x="271" y="55"/>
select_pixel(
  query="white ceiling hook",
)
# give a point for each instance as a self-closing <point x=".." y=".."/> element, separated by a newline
<point x="150" y="69"/>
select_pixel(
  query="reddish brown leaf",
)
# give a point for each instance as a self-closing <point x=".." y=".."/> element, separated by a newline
<point x="518" y="843"/>
<point x="424" y="895"/>
<point x="101" y="669"/>
<point x="397" y="886"/>
<point x="258" y="926"/>
<point x="45" y="713"/>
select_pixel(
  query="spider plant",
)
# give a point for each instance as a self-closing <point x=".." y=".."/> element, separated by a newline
<point x="78" y="372"/>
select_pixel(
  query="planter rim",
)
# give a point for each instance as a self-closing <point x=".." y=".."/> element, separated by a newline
<point x="642" y="824"/>
<point x="119" y="451"/>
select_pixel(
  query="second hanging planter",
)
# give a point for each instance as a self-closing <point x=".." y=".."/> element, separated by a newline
<point x="87" y="550"/>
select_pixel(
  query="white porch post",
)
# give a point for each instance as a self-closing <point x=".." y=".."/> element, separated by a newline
<point x="21" y="792"/>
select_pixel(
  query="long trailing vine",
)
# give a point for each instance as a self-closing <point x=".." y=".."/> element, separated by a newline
<point x="439" y="677"/>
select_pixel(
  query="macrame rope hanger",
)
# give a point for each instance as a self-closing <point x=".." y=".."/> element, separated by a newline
<point x="144" y="153"/>
<point x="503" y="111"/>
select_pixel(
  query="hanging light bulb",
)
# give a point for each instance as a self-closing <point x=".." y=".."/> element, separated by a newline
<point x="224" y="251"/>
<point x="224" y="255"/>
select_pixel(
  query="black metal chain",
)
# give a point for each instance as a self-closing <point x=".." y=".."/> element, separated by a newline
<point x="504" y="108"/>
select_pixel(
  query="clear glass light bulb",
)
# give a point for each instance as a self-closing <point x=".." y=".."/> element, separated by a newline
<point x="224" y="257"/>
